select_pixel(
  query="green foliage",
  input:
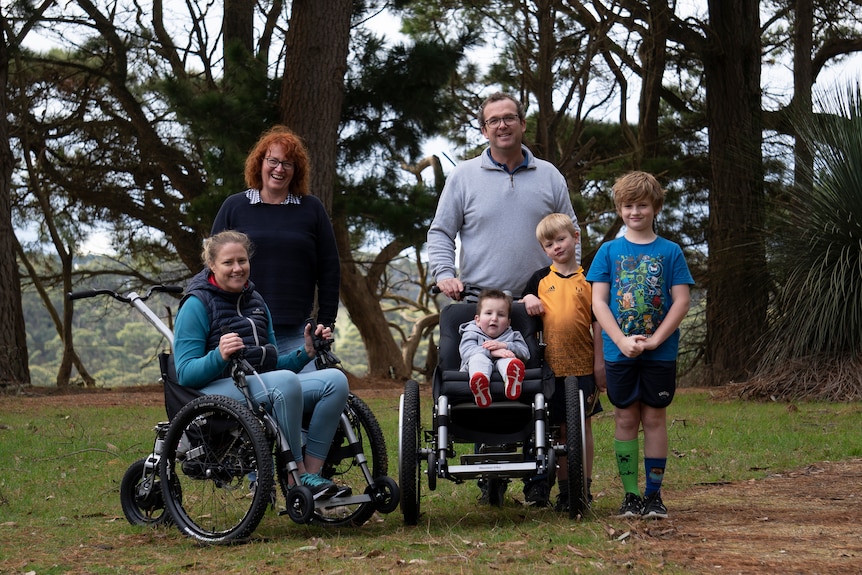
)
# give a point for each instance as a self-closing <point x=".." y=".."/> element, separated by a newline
<point x="817" y="248"/>
<point x="393" y="98"/>
<point x="393" y="102"/>
<point x="224" y="121"/>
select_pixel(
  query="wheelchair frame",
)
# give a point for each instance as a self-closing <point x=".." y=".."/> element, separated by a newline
<point x="201" y="487"/>
<point x="509" y="439"/>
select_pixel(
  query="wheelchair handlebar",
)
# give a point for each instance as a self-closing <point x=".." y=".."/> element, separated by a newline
<point x="137" y="302"/>
<point x="124" y="298"/>
<point x="470" y="293"/>
<point x="323" y="356"/>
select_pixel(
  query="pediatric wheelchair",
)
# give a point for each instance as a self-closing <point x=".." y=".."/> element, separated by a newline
<point x="509" y="439"/>
<point x="215" y="463"/>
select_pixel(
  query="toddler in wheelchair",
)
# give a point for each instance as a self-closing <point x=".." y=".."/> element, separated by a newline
<point x="488" y="342"/>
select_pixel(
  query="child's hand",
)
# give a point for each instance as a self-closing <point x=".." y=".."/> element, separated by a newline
<point x="498" y="353"/>
<point x="632" y="345"/>
<point x="601" y="379"/>
<point x="533" y="305"/>
<point x="650" y="343"/>
<point x="492" y="345"/>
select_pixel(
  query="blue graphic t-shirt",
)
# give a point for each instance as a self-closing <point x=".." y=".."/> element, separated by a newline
<point x="640" y="277"/>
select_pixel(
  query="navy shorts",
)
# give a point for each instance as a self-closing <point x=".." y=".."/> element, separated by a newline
<point x="653" y="383"/>
<point x="557" y="404"/>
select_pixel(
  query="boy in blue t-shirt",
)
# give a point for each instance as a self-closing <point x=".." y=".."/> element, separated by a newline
<point x="640" y="296"/>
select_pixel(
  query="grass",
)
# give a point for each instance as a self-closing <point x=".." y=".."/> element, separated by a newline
<point x="60" y="469"/>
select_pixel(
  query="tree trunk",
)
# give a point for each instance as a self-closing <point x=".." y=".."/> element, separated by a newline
<point x="653" y="55"/>
<point x="360" y="298"/>
<point x="313" y="88"/>
<point x="14" y="361"/>
<point x="803" y="80"/>
<point x="63" y="326"/>
<point x="738" y="282"/>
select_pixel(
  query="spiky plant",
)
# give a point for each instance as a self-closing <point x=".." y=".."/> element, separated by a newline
<point x="814" y="344"/>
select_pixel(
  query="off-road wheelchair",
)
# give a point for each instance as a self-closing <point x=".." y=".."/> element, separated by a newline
<point x="507" y="440"/>
<point x="215" y="463"/>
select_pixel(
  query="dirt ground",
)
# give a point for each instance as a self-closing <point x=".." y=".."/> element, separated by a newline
<point x="801" y="522"/>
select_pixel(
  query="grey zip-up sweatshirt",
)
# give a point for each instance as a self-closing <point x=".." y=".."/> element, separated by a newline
<point x="472" y="338"/>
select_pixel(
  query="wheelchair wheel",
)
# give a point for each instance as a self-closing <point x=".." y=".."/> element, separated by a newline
<point x="576" y="450"/>
<point x="212" y="446"/>
<point x="141" y="496"/>
<point x="409" y="430"/>
<point x="341" y="467"/>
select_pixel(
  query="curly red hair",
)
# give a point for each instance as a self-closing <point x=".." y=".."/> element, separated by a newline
<point x="294" y="151"/>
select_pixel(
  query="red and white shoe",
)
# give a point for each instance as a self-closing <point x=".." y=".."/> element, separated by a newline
<point x="514" y="378"/>
<point x="481" y="388"/>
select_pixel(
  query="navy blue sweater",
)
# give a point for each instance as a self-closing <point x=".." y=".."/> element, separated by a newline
<point x="294" y="252"/>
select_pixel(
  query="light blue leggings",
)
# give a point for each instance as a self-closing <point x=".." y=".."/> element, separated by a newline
<point x="322" y="393"/>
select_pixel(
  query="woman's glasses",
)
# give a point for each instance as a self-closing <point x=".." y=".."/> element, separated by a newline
<point x="274" y="163"/>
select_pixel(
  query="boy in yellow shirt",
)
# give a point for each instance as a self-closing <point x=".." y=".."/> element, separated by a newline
<point x="561" y="295"/>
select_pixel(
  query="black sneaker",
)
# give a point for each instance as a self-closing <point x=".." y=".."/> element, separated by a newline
<point x="632" y="506"/>
<point x="484" y="491"/>
<point x="537" y="492"/>
<point x="653" y="507"/>
<point x="562" y="504"/>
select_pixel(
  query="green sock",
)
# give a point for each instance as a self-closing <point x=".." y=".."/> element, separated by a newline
<point x="627" y="464"/>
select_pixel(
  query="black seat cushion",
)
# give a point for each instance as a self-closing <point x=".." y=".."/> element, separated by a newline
<point x="176" y="396"/>
<point x="450" y="381"/>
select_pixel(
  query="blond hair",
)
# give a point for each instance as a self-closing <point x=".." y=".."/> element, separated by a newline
<point x="214" y="244"/>
<point x="552" y="225"/>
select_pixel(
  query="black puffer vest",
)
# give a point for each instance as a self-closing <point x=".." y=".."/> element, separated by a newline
<point x="242" y="313"/>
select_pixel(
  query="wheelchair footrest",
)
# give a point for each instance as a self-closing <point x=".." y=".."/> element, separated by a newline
<point x="493" y="468"/>
<point x="506" y="457"/>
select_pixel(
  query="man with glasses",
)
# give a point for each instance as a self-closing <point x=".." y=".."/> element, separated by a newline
<point x="493" y="203"/>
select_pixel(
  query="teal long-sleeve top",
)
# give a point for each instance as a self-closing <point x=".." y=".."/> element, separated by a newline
<point x="196" y="365"/>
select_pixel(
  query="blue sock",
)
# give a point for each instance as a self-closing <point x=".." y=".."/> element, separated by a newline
<point x="654" y="471"/>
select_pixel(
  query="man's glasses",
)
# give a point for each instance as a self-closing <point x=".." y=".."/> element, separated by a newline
<point x="273" y="163"/>
<point x="507" y="121"/>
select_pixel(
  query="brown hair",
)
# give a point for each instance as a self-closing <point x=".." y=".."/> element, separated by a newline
<point x="493" y="294"/>
<point x="497" y="97"/>
<point x="295" y="151"/>
<point x="214" y="244"/>
<point x="636" y="186"/>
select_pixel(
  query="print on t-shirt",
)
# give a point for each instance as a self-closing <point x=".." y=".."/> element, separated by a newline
<point x="639" y="294"/>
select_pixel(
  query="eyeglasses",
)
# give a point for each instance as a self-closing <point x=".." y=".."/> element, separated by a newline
<point x="507" y="121"/>
<point x="273" y="163"/>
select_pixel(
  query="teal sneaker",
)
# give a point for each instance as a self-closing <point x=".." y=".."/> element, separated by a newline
<point x="321" y="488"/>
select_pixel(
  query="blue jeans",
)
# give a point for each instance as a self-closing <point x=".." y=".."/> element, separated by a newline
<point x="283" y="399"/>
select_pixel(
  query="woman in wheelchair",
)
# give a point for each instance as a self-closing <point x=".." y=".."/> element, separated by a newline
<point x="222" y="315"/>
